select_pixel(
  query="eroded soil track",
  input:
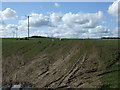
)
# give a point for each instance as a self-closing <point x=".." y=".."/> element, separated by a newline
<point x="62" y="67"/>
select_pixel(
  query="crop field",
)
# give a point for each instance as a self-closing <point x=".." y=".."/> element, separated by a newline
<point x="67" y="63"/>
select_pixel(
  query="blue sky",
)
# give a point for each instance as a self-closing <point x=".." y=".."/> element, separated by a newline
<point x="27" y="8"/>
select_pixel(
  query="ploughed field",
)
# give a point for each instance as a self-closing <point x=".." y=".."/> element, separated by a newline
<point x="54" y="63"/>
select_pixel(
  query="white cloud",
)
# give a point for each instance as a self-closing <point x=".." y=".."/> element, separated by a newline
<point x="115" y="32"/>
<point x="36" y="20"/>
<point x="86" y="20"/>
<point x="11" y="26"/>
<point x="68" y="25"/>
<point x="99" y="31"/>
<point x="67" y="32"/>
<point x="22" y="28"/>
<point x="57" y="4"/>
<point x="2" y="22"/>
<point x="114" y="9"/>
<point x="56" y="17"/>
<point x="7" y="30"/>
<point x="8" y="14"/>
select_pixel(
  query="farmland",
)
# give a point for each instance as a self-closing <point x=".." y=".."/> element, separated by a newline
<point x="69" y="63"/>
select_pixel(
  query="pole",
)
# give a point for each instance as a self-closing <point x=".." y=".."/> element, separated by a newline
<point x="16" y="32"/>
<point x="13" y="34"/>
<point x="28" y="26"/>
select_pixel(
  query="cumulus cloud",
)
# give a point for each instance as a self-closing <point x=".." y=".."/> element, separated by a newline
<point x="67" y="32"/>
<point x="86" y="20"/>
<point x="22" y="28"/>
<point x="114" y="9"/>
<point x="56" y="4"/>
<point x="7" y="30"/>
<point x="56" y="17"/>
<point x="115" y="32"/>
<point x="8" y="14"/>
<point x="99" y="31"/>
<point x="11" y="26"/>
<point x="68" y="25"/>
<point x="36" y="20"/>
<point x="2" y="22"/>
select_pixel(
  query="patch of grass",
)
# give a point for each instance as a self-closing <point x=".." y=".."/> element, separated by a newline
<point x="48" y="60"/>
<point x="111" y="80"/>
<point x="28" y="49"/>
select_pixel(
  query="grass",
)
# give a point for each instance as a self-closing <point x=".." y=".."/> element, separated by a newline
<point x="111" y="80"/>
<point x="106" y="48"/>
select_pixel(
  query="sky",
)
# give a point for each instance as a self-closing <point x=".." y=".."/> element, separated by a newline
<point x="59" y="19"/>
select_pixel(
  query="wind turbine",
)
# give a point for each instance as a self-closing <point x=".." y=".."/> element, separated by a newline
<point x="2" y="33"/>
<point x="13" y="33"/>
<point x="28" y="23"/>
<point x="16" y="32"/>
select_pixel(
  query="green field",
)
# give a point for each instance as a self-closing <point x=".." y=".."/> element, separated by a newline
<point x="102" y="55"/>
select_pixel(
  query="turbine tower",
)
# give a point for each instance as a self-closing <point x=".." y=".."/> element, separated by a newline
<point x="16" y="32"/>
<point x="28" y="24"/>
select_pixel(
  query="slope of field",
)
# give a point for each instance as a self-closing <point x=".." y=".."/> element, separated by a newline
<point x="70" y="63"/>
